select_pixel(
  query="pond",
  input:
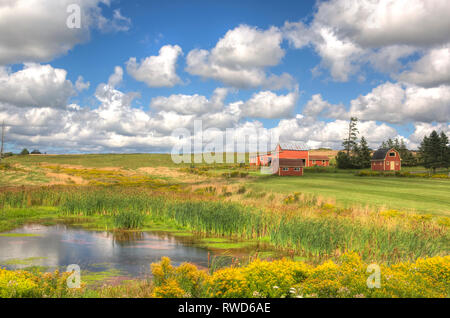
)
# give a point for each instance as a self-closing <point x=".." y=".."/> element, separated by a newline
<point x="121" y="254"/>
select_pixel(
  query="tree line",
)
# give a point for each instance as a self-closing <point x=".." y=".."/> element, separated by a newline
<point x="434" y="150"/>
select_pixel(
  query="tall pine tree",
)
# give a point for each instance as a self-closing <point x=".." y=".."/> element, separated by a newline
<point x="349" y="143"/>
<point x="445" y="150"/>
<point x="364" y="154"/>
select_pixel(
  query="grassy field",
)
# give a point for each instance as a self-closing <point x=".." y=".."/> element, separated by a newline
<point x="411" y="194"/>
<point x="327" y="219"/>
<point x="421" y="195"/>
<point x="126" y="161"/>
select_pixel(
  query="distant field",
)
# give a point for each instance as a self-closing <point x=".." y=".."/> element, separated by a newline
<point x="421" y="195"/>
<point x="329" y="153"/>
<point x="126" y="161"/>
<point x="418" y="194"/>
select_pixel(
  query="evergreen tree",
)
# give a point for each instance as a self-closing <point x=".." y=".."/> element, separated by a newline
<point x="363" y="154"/>
<point x="434" y="151"/>
<point x="445" y="149"/>
<point x="389" y="143"/>
<point x="408" y="159"/>
<point x="350" y="142"/>
<point x="343" y="161"/>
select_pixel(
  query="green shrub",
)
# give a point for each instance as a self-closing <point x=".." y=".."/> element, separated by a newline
<point x="400" y="174"/>
<point x="319" y="169"/>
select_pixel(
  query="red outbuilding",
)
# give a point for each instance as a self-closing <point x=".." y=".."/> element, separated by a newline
<point x="290" y="167"/>
<point x="285" y="160"/>
<point x="315" y="160"/>
<point x="386" y="160"/>
<point x="292" y="151"/>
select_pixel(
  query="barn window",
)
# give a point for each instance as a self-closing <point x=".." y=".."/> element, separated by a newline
<point x="285" y="169"/>
<point x="296" y="169"/>
<point x="392" y="154"/>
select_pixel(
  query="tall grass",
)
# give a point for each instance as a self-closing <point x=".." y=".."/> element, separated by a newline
<point x="312" y="233"/>
<point x="129" y="220"/>
<point x="331" y="235"/>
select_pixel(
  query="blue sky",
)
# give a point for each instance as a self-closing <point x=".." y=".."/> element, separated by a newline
<point x="315" y="65"/>
<point x="153" y="27"/>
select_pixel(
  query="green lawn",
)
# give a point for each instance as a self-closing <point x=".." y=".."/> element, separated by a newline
<point x="418" y="194"/>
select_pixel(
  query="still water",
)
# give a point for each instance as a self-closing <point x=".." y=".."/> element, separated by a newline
<point x="59" y="246"/>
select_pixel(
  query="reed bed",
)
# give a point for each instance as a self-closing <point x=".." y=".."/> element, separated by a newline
<point x="327" y="236"/>
<point x="299" y="228"/>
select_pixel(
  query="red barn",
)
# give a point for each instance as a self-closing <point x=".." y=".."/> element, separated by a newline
<point x="315" y="160"/>
<point x="386" y="159"/>
<point x="292" y="151"/>
<point x="290" y="167"/>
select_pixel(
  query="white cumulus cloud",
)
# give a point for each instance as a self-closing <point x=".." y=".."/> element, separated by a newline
<point x="157" y="71"/>
<point x="350" y="34"/>
<point x="36" y="30"/>
<point x="81" y="85"/>
<point x="190" y="104"/>
<point x="239" y="59"/>
<point x="397" y="103"/>
<point x="35" y="86"/>
<point x="267" y="104"/>
<point x="432" y="69"/>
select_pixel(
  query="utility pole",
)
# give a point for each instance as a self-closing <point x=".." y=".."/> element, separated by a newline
<point x="3" y="139"/>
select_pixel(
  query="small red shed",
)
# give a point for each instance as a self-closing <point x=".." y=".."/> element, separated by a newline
<point x="290" y="167"/>
<point x="316" y="160"/>
<point x="386" y="159"/>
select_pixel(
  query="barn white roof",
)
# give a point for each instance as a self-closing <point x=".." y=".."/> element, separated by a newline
<point x="296" y="146"/>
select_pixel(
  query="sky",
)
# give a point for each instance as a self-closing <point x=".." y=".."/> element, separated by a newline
<point x="133" y="74"/>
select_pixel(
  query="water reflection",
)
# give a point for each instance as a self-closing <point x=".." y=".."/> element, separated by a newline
<point x="60" y="245"/>
<point x="126" y="237"/>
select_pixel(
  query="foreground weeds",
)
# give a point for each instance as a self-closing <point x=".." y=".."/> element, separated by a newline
<point x="23" y="284"/>
<point x="348" y="277"/>
<point x="288" y="279"/>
